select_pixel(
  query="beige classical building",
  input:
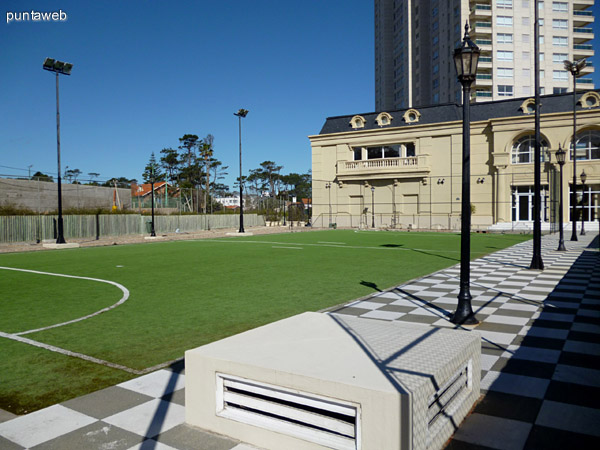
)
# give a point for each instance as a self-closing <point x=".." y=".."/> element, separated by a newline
<point x="403" y="169"/>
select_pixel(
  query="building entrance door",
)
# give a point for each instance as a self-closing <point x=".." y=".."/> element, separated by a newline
<point x="522" y="204"/>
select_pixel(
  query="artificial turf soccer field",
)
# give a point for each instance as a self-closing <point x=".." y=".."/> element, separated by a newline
<point x="183" y="294"/>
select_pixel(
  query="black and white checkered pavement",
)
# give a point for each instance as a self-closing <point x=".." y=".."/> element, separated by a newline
<point x="540" y="342"/>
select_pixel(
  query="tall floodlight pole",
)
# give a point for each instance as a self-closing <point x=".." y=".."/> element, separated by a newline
<point x="58" y="67"/>
<point x="536" y="261"/>
<point x="575" y="68"/>
<point x="241" y="113"/>
<point x="152" y="230"/>
<point x="560" y="158"/>
<point x="583" y="177"/>
<point x="466" y="57"/>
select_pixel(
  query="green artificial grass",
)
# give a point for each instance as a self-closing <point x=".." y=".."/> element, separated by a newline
<point x="184" y="294"/>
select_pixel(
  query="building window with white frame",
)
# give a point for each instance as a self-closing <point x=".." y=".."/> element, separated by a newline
<point x="560" y="41"/>
<point x="505" y="90"/>
<point x="560" y="24"/>
<point x="505" y="72"/>
<point x="504" y="55"/>
<point x="504" y="21"/>
<point x="525" y="38"/>
<point x="559" y="90"/>
<point x="523" y="150"/>
<point x="526" y="73"/>
<point x="560" y="75"/>
<point x="559" y="57"/>
<point x="504" y="38"/>
<point x="560" y="7"/>
<point x="588" y="145"/>
<point x="504" y="4"/>
<point x="525" y="56"/>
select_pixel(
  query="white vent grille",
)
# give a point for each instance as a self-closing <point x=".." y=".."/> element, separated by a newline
<point x="448" y="396"/>
<point x="314" y="418"/>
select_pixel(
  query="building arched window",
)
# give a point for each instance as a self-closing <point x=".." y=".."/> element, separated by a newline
<point x="588" y="145"/>
<point x="524" y="148"/>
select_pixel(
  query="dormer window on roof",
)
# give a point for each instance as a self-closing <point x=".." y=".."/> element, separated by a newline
<point x="590" y="100"/>
<point x="528" y="106"/>
<point x="384" y="119"/>
<point x="411" y="116"/>
<point x="358" y="122"/>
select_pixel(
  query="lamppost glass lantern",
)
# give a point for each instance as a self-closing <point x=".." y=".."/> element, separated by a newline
<point x="466" y="58"/>
<point x="560" y="156"/>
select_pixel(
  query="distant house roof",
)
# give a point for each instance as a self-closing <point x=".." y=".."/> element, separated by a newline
<point x="449" y="112"/>
<point x="144" y="189"/>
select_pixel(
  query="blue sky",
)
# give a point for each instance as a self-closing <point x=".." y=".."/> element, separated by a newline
<point x="147" y="72"/>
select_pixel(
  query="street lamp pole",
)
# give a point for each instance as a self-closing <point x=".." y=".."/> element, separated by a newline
<point x="58" y="67"/>
<point x="560" y="158"/>
<point x="241" y="113"/>
<point x="466" y="57"/>
<point x="328" y="187"/>
<point x="373" y="206"/>
<point x="575" y="69"/>
<point x="536" y="261"/>
<point x="583" y="177"/>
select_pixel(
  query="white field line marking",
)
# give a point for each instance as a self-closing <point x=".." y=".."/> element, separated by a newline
<point x="292" y="248"/>
<point x="108" y="308"/>
<point x="52" y="348"/>
<point x="236" y="241"/>
<point x="335" y="243"/>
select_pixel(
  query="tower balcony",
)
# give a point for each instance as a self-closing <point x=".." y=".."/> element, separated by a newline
<point x="582" y="34"/>
<point x="480" y="11"/>
<point x="583" y="18"/>
<point x="582" y="51"/>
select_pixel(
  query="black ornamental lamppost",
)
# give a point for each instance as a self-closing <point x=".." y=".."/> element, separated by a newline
<point x="328" y="187"/>
<point x="373" y="206"/>
<point x="583" y="178"/>
<point x="466" y="57"/>
<point x="62" y="68"/>
<point x="575" y="68"/>
<point x="241" y="113"/>
<point x="560" y="158"/>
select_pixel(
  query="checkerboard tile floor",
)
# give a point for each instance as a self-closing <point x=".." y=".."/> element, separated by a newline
<point x="540" y="375"/>
<point x="141" y="414"/>
<point x="540" y="331"/>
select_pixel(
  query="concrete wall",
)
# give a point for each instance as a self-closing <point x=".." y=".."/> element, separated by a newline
<point x="42" y="196"/>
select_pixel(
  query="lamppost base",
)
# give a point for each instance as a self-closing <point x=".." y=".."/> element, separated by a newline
<point x="574" y="237"/>
<point x="460" y="319"/>
<point x="561" y="247"/>
<point x="464" y="314"/>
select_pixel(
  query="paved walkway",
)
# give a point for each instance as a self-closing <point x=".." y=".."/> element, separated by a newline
<point x="540" y="364"/>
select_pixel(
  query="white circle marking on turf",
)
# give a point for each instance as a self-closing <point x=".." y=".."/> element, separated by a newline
<point x="108" y="308"/>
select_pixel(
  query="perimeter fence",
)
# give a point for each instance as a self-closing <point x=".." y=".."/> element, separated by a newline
<point x="36" y="228"/>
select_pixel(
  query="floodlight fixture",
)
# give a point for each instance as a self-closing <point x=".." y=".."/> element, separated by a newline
<point x="575" y="67"/>
<point x="241" y="113"/>
<point x="53" y="65"/>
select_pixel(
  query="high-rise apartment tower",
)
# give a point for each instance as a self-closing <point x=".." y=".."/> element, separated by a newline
<point x="414" y="41"/>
